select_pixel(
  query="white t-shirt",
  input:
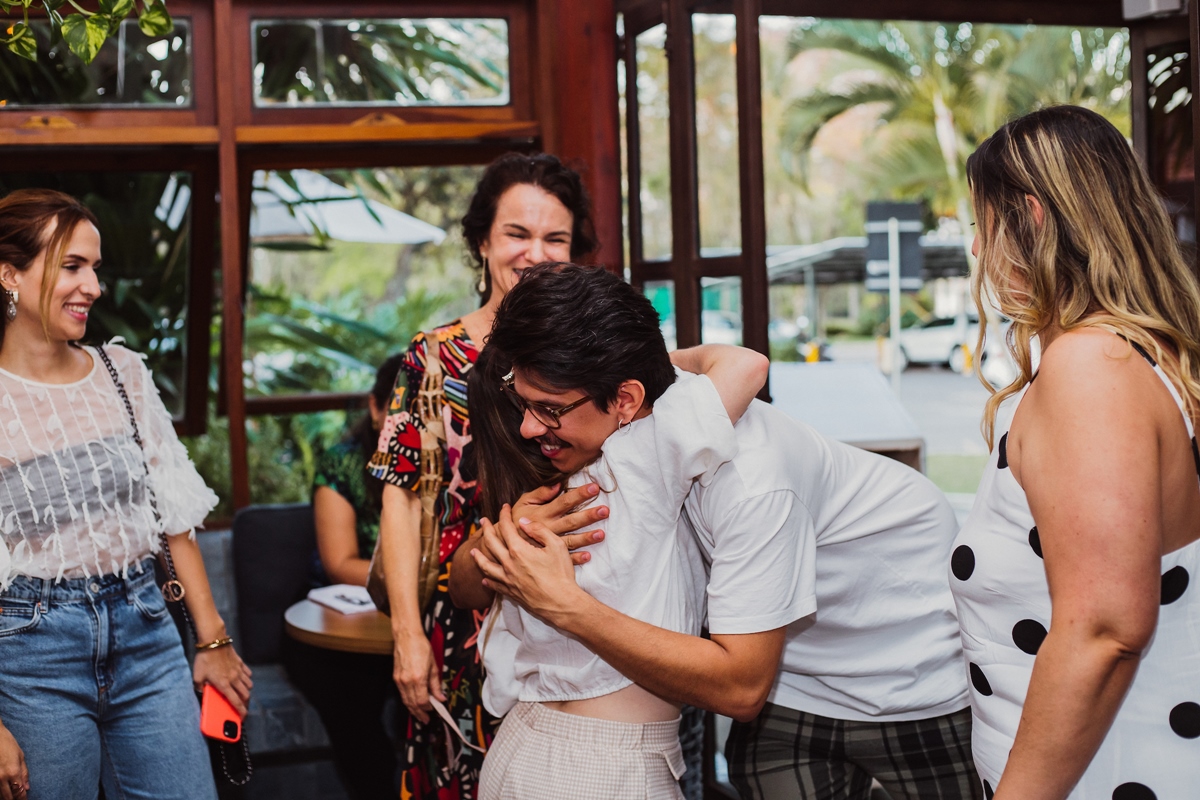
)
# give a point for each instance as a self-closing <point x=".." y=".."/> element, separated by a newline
<point x="849" y="550"/>
<point x="649" y="566"/>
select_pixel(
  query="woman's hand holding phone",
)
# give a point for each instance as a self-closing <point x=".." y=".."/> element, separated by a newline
<point x="224" y="669"/>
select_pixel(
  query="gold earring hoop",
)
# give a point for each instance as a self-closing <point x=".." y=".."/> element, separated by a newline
<point x="483" y="277"/>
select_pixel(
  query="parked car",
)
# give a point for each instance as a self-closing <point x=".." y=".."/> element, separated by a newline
<point x="940" y="340"/>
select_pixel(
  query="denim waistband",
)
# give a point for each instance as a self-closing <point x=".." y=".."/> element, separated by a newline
<point x="81" y="590"/>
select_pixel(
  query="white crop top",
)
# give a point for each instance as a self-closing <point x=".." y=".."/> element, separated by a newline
<point x="73" y="499"/>
<point x="648" y="566"/>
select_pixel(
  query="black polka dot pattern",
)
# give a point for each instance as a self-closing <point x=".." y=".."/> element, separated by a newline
<point x="988" y="791"/>
<point x="1028" y="635"/>
<point x="1174" y="584"/>
<point x="1185" y="720"/>
<point x="962" y="563"/>
<point x="1002" y="460"/>
<point x="1035" y="541"/>
<point x="1133" y="791"/>
<point x="979" y="680"/>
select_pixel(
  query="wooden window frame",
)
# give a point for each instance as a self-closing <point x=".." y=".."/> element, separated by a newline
<point x="103" y="126"/>
<point x="372" y="157"/>
<point x="200" y="163"/>
<point x="258" y="125"/>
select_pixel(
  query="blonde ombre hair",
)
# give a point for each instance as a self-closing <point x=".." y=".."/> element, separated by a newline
<point x="1103" y="254"/>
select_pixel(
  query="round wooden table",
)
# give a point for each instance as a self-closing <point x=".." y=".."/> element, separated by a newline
<point x="316" y="625"/>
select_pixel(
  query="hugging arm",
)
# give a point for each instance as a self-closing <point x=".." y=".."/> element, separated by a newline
<point x="557" y="510"/>
<point x="737" y="373"/>
<point x="729" y="674"/>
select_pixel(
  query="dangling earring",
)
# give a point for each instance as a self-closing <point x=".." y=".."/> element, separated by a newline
<point x="483" y="278"/>
<point x="10" y="313"/>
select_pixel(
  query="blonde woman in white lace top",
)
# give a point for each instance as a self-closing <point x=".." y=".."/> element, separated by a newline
<point x="94" y="685"/>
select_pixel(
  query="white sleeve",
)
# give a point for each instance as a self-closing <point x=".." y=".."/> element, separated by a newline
<point x="763" y="573"/>
<point x="692" y="435"/>
<point x="182" y="497"/>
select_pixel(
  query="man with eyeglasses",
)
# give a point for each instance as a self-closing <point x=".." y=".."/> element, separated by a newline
<point x="833" y="641"/>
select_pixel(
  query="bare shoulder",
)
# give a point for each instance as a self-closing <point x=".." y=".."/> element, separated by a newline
<point x="1088" y="359"/>
<point x="1095" y="374"/>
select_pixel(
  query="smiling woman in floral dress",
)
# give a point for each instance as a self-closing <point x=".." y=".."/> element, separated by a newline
<point x="526" y="209"/>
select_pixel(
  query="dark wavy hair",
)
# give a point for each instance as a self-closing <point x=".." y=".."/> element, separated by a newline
<point x="576" y="327"/>
<point x="569" y="327"/>
<point x="544" y="171"/>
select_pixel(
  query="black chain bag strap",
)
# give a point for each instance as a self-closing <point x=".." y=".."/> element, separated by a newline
<point x="173" y="590"/>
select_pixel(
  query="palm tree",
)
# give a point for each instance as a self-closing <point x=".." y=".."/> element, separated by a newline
<point x="941" y="89"/>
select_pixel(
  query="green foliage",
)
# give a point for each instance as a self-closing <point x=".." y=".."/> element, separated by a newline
<point x="301" y="346"/>
<point x="939" y="89"/>
<point x="84" y="31"/>
<point x="22" y="41"/>
<point x="380" y="61"/>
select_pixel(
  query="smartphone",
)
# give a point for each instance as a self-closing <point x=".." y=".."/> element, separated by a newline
<point x="219" y="719"/>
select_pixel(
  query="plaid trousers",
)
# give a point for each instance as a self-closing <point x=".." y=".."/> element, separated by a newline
<point x="784" y="754"/>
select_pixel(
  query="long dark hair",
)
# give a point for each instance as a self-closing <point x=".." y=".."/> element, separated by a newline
<point x="538" y="169"/>
<point x="363" y="433"/>
<point x="507" y="464"/>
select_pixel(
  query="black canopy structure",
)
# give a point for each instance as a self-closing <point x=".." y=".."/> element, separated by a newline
<point x="844" y="260"/>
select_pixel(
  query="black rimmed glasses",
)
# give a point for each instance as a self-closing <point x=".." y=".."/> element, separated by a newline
<point x="548" y="416"/>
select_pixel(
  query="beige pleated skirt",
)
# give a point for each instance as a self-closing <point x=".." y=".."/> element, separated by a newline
<point x="541" y="754"/>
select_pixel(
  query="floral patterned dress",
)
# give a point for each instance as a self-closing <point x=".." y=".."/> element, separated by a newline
<point x="429" y="772"/>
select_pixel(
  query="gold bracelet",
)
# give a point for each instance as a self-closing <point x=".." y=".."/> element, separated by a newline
<point x="215" y="643"/>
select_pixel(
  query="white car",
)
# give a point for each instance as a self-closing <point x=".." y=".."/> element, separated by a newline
<point x="940" y="341"/>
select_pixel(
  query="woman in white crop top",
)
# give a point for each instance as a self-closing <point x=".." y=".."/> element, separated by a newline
<point x="645" y="447"/>
<point x="94" y="685"/>
<point x="1076" y="574"/>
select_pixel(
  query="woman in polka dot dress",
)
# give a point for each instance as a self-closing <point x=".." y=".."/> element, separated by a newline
<point x="1076" y="574"/>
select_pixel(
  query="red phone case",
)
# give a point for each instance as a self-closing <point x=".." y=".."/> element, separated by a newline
<point x="219" y="719"/>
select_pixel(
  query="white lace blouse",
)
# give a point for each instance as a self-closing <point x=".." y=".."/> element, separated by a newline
<point x="73" y="499"/>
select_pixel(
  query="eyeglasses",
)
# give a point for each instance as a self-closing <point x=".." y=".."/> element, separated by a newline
<point x="550" y="417"/>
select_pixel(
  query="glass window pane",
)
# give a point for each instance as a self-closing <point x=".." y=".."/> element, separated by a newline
<point x="145" y="225"/>
<point x="346" y="266"/>
<point x="653" y="114"/>
<point x="721" y="310"/>
<point x="662" y="296"/>
<point x="1172" y="159"/>
<point x="131" y="69"/>
<point x="386" y="62"/>
<point x="717" y="173"/>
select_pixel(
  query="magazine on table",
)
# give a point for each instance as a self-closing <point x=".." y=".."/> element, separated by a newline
<point x="343" y="597"/>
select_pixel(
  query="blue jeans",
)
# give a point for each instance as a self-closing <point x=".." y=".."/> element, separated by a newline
<point x="95" y="687"/>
